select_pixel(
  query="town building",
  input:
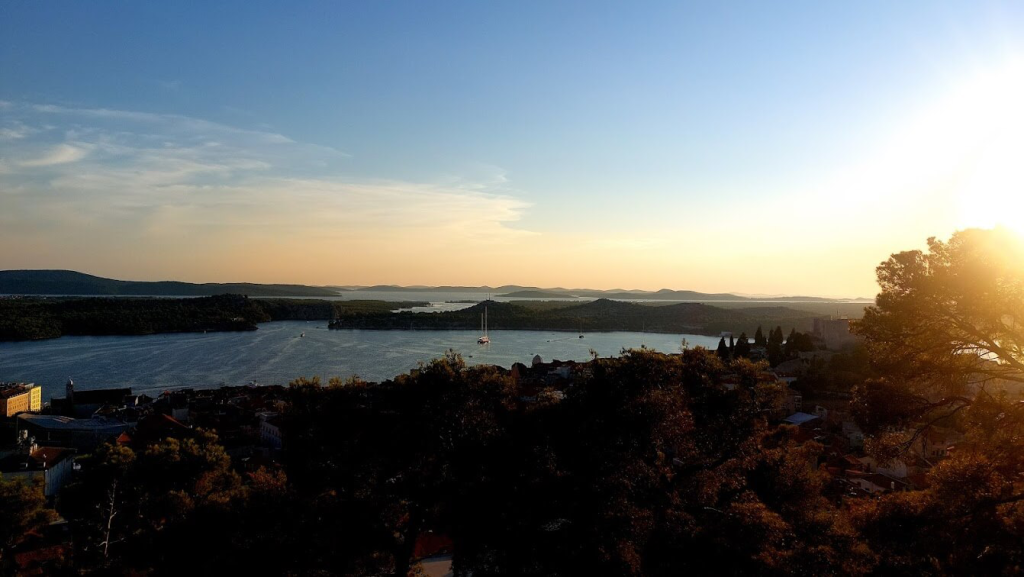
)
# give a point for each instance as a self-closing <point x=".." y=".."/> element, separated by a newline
<point x="153" y="428"/>
<point x="19" y="398"/>
<point x="52" y="465"/>
<point x="65" y="431"/>
<point x="802" y="419"/>
<point x="84" y="403"/>
<point x="834" y="332"/>
<point x="793" y="402"/>
<point x="270" y="430"/>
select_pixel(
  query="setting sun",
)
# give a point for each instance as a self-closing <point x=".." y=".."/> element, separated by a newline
<point x="988" y="177"/>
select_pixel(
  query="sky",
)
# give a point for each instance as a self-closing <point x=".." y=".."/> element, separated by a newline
<point x="751" y="147"/>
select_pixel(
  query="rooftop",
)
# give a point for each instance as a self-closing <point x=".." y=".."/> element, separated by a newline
<point x="40" y="459"/>
<point x="8" y="390"/>
<point x="62" y="423"/>
<point x="799" y="418"/>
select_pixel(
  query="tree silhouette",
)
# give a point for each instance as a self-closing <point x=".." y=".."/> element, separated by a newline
<point x="742" y="346"/>
<point x="723" y="349"/>
<point x="945" y="338"/>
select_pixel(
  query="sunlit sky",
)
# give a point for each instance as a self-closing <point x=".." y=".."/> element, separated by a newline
<point x="756" y="147"/>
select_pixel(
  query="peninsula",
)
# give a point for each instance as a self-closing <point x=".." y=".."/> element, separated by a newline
<point x="36" y="318"/>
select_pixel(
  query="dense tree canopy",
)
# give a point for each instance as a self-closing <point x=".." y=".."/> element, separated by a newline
<point x="650" y="465"/>
<point x="950" y="322"/>
<point x="22" y="511"/>
<point x="946" y="341"/>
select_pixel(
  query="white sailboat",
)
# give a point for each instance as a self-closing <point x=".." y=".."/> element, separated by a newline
<point x="484" y="340"/>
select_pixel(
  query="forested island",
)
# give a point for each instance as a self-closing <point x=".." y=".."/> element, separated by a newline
<point x="34" y="318"/>
<point x="599" y="315"/>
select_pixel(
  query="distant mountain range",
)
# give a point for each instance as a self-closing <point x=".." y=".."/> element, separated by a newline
<point x="525" y="292"/>
<point x="66" y="282"/>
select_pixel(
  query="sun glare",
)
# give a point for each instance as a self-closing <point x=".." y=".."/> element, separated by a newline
<point x="987" y="182"/>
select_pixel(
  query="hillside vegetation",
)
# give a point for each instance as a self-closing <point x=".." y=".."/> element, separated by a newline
<point x="46" y="318"/>
<point x="599" y="315"/>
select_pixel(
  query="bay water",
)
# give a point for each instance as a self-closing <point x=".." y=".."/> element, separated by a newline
<point x="278" y="352"/>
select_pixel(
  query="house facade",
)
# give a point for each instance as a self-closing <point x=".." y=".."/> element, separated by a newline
<point x="19" y="398"/>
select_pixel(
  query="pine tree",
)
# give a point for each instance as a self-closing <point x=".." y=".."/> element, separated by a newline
<point x="775" y="355"/>
<point x="759" y="339"/>
<point x="742" y="346"/>
<point x="723" y="349"/>
<point x="790" y="348"/>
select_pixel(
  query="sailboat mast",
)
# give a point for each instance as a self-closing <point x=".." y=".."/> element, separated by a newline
<point x="484" y="339"/>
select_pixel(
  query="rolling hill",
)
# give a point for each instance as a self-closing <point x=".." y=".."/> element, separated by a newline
<point x="66" y="282"/>
<point x="601" y="315"/>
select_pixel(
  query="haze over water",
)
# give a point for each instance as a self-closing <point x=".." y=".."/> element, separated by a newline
<point x="276" y="354"/>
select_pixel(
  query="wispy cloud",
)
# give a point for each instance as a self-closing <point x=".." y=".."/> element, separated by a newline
<point x="8" y="133"/>
<point x="173" y="123"/>
<point x="60" y="154"/>
<point x="119" y="182"/>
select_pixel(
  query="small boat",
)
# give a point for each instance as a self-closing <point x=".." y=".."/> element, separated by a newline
<point x="302" y="335"/>
<point x="484" y="340"/>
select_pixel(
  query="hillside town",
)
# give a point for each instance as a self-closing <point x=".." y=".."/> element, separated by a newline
<point x="42" y="440"/>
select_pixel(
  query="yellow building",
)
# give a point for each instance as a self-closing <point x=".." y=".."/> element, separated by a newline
<point x="19" y="397"/>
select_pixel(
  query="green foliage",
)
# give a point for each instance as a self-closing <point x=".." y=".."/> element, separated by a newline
<point x="840" y="374"/>
<point x="742" y="346"/>
<point x="599" y="315"/>
<point x="43" y="318"/>
<point x="133" y="511"/>
<point x="944" y="340"/>
<point x="949" y="318"/>
<point x="650" y="465"/>
<point x="797" y="343"/>
<point x="24" y="319"/>
<point x="22" y="510"/>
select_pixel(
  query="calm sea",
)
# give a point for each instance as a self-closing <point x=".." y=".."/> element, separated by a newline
<point x="276" y="354"/>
